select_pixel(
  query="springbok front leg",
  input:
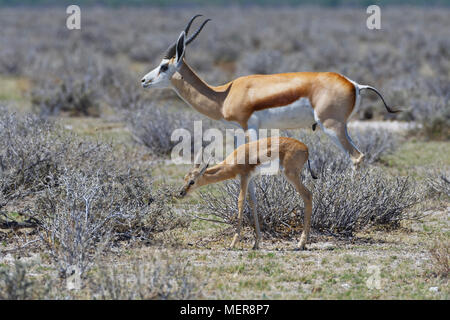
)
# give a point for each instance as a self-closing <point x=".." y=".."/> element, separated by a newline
<point x="251" y="134"/>
<point x="241" y="206"/>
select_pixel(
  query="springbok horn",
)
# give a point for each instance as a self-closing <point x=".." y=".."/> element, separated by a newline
<point x="190" y="23"/>
<point x="197" y="32"/>
<point x="170" y="52"/>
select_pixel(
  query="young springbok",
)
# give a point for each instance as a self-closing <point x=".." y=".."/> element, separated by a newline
<point x="291" y="154"/>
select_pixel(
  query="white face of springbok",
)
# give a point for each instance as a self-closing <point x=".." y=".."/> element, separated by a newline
<point x="172" y="61"/>
<point x="161" y="75"/>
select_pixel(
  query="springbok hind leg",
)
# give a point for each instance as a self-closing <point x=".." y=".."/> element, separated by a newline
<point x="360" y="159"/>
<point x="294" y="179"/>
<point x="338" y="133"/>
<point x="253" y="206"/>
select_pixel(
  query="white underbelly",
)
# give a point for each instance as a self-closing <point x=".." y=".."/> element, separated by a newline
<point x="298" y="114"/>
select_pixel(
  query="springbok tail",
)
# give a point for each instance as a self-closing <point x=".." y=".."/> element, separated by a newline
<point x="389" y="109"/>
<point x="310" y="171"/>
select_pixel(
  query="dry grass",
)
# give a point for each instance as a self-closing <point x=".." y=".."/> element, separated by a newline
<point x="440" y="258"/>
<point x="153" y="274"/>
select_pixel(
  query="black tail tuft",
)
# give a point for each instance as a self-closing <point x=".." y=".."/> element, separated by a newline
<point x="389" y="109"/>
<point x="310" y="171"/>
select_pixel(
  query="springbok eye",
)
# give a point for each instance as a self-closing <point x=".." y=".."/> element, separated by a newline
<point x="164" y="67"/>
<point x="191" y="182"/>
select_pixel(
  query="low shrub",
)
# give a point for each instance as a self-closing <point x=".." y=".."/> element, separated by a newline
<point x="28" y="154"/>
<point x="439" y="181"/>
<point x="75" y="86"/>
<point x="74" y="95"/>
<point x="85" y="195"/>
<point x="343" y="202"/>
<point x="34" y="152"/>
<point x="17" y="284"/>
<point x="153" y="127"/>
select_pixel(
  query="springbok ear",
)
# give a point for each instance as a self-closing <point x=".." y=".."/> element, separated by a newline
<point x="181" y="46"/>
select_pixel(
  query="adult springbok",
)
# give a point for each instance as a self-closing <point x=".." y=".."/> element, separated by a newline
<point x="275" y="101"/>
<point x="291" y="154"/>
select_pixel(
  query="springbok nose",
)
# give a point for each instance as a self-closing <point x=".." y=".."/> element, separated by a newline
<point x="143" y="80"/>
